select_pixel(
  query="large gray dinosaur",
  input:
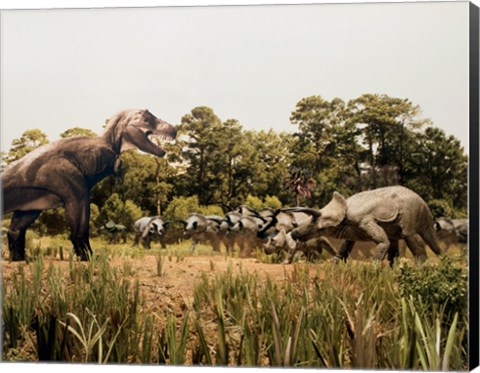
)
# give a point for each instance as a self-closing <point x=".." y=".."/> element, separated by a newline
<point x="383" y="215"/>
<point x="63" y="172"/>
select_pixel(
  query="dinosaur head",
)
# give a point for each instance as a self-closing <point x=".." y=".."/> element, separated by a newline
<point x="139" y="129"/>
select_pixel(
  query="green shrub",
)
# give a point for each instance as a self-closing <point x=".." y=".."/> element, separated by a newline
<point x="180" y="207"/>
<point x="120" y="212"/>
<point x="210" y="210"/>
<point x="442" y="285"/>
<point x="440" y="207"/>
<point x="272" y="202"/>
<point x="254" y="202"/>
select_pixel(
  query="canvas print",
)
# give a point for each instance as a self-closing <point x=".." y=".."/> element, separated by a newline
<point x="238" y="186"/>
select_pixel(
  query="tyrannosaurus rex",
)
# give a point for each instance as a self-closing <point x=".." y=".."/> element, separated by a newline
<point x="63" y="172"/>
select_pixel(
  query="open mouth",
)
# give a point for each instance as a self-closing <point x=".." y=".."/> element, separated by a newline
<point x="158" y="139"/>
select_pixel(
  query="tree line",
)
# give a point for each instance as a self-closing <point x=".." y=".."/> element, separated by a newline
<point x="372" y="141"/>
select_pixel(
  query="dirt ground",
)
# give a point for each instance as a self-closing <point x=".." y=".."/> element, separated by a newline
<point x="173" y="290"/>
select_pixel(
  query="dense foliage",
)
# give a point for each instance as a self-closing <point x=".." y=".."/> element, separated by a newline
<point x="368" y="142"/>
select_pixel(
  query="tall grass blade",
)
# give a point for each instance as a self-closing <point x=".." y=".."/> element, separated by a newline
<point x="222" y="350"/>
<point x="203" y="342"/>
<point x="276" y="336"/>
<point x="449" y="343"/>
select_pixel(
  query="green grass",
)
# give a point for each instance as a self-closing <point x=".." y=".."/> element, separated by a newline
<point x="350" y="315"/>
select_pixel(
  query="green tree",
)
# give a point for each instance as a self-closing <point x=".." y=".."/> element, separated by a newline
<point x="327" y="147"/>
<point x="269" y="161"/>
<point x="200" y="148"/>
<point x="223" y="163"/>
<point x="232" y="148"/>
<point x="317" y="120"/>
<point x="385" y="123"/>
<point x="30" y="140"/>
<point x="3" y="160"/>
<point x="118" y="211"/>
<point x="147" y="181"/>
<point x="180" y="207"/>
<point x="77" y="131"/>
<point x="438" y="168"/>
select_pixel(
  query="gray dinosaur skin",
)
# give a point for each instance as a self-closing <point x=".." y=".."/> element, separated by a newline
<point x="383" y="215"/>
<point x="240" y="227"/>
<point x="278" y="220"/>
<point x="148" y="229"/>
<point x="451" y="231"/>
<point x="63" y="172"/>
<point x="312" y="248"/>
<point x="245" y="231"/>
<point x="202" y="228"/>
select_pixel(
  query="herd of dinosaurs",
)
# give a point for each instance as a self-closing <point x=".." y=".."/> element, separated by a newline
<point x="63" y="172"/>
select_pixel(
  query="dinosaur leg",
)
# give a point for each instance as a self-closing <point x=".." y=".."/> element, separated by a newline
<point x="379" y="236"/>
<point x="429" y="237"/>
<point x="229" y="243"/>
<point x="77" y="216"/>
<point x="215" y="242"/>
<point x="21" y="220"/>
<point x="292" y="247"/>
<point x="246" y="250"/>
<point x="327" y="245"/>
<point x="417" y="247"/>
<point x="344" y="251"/>
<point x="313" y="251"/>
<point x="393" y="252"/>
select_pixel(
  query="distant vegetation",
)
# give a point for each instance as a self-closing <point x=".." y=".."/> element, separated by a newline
<point x="372" y="141"/>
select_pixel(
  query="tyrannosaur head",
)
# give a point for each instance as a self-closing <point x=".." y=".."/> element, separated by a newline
<point x="138" y="128"/>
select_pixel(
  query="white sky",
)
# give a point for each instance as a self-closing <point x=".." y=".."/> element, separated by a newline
<point x="63" y="68"/>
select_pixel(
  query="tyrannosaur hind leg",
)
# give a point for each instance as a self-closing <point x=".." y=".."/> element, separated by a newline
<point x="21" y="220"/>
<point x="77" y="216"/>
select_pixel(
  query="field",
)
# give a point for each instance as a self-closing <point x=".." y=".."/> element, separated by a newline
<point x="175" y="306"/>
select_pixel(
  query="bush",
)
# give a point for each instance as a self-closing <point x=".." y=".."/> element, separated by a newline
<point x="210" y="210"/>
<point x="120" y="212"/>
<point x="440" y="207"/>
<point x="254" y="202"/>
<point x="180" y="207"/>
<point x="442" y="285"/>
<point x="131" y="213"/>
<point x="269" y="202"/>
<point x="272" y="202"/>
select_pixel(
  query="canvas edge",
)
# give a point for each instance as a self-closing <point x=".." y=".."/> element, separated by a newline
<point x="473" y="184"/>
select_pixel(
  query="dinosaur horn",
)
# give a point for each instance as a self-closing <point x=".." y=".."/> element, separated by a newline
<point x="180" y="221"/>
<point x="313" y="212"/>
